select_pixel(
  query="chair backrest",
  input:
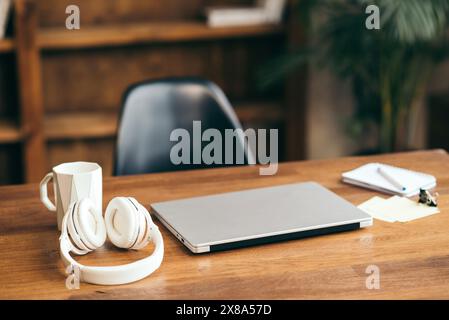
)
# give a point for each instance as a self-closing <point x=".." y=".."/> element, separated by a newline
<point x="152" y="110"/>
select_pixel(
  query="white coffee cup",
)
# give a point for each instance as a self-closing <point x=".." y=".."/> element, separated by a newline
<point x="72" y="181"/>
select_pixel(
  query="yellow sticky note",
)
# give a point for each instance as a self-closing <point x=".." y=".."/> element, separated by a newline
<point x="405" y="209"/>
<point x="396" y="209"/>
<point x="375" y="208"/>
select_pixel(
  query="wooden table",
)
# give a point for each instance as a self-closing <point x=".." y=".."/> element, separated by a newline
<point x="413" y="257"/>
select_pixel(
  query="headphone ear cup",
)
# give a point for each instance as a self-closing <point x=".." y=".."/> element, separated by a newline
<point x="90" y="224"/>
<point x="145" y="228"/>
<point x="85" y="226"/>
<point x="80" y="247"/>
<point x="141" y="226"/>
<point x="122" y="223"/>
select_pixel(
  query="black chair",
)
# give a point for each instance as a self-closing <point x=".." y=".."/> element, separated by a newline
<point x="152" y="110"/>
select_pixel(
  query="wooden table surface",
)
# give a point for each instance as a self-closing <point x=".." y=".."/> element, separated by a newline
<point x="413" y="257"/>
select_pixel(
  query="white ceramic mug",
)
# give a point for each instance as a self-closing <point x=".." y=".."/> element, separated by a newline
<point x="72" y="181"/>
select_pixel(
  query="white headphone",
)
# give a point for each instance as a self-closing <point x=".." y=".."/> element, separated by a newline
<point x="127" y="224"/>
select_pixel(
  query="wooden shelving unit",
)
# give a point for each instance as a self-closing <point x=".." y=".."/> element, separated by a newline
<point x="80" y="125"/>
<point x="260" y="112"/>
<point x="10" y="132"/>
<point x="39" y="126"/>
<point x="94" y="125"/>
<point x="141" y="33"/>
<point x="6" y="45"/>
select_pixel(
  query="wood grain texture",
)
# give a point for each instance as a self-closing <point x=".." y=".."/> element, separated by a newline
<point x="6" y="45"/>
<point x="94" y="80"/>
<point x="99" y="150"/>
<point x="80" y="125"/>
<point x="413" y="257"/>
<point x="100" y="12"/>
<point x="97" y="125"/>
<point x="129" y="34"/>
<point x="9" y="131"/>
<point x="30" y="83"/>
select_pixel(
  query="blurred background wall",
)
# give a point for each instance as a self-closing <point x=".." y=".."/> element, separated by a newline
<point x="330" y="102"/>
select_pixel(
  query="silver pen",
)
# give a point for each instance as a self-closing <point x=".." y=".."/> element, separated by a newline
<point x="384" y="173"/>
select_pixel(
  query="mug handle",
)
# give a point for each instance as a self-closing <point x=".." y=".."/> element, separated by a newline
<point x="44" y="195"/>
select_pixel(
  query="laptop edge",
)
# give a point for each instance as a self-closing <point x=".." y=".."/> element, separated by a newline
<point x="269" y="237"/>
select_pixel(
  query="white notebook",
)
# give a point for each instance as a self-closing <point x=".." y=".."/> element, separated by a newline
<point x="368" y="176"/>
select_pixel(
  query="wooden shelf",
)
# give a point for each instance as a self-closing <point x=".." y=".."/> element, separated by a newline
<point x="9" y="132"/>
<point x="250" y="112"/>
<point x="80" y="125"/>
<point x="87" y="125"/>
<point x="128" y="34"/>
<point x="6" y="45"/>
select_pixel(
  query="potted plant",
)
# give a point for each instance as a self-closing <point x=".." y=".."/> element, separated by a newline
<point x="388" y="67"/>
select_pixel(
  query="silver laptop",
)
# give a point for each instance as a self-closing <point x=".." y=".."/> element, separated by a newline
<point x="258" y="216"/>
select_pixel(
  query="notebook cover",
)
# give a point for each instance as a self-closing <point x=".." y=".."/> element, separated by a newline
<point x="367" y="176"/>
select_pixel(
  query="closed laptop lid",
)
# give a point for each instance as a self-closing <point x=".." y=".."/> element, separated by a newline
<point x="242" y="215"/>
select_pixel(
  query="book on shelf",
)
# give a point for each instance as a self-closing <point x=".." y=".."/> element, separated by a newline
<point x="5" y="8"/>
<point x="265" y="12"/>
<point x="274" y="9"/>
<point x="228" y="17"/>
